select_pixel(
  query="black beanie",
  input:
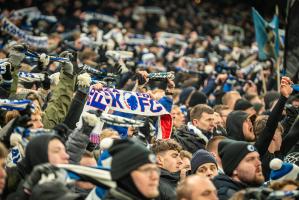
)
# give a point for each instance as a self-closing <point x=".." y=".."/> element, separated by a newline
<point x="201" y="157"/>
<point x="197" y="98"/>
<point x="128" y="155"/>
<point x="232" y="153"/>
<point x="242" y="104"/>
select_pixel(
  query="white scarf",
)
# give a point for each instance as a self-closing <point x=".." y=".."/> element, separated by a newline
<point x="197" y="132"/>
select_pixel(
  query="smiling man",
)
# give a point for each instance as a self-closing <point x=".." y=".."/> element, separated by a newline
<point x="242" y="166"/>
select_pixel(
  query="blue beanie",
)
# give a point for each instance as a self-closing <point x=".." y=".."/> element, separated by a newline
<point x="283" y="170"/>
<point x="201" y="157"/>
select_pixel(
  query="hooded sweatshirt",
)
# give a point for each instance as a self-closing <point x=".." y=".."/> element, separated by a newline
<point x="32" y="158"/>
<point x="234" y="125"/>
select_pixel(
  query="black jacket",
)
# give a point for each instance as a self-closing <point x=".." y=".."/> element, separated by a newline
<point x="119" y="194"/>
<point x="235" y="131"/>
<point x="167" y="185"/>
<point x="188" y="140"/>
<point x="226" y="187"/>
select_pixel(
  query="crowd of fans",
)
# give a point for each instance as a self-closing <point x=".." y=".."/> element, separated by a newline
<point x="234" y="122"/>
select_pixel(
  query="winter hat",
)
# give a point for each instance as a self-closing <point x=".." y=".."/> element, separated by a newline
<point x="127" y="155"/>
<point x="232" y="152"/>
<point x="197" y="98"/>
<point x="242" y="104"/>
<point x="283" y="170"/>
<point x="201" y="157"/>
<point x="270" y="97"/>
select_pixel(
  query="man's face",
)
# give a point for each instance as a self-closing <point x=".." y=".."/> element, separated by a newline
<point x="224" y="114"/>
<point x="186" y="164"/>
<point x="249" y="170"/>
<point x="57" y="153"/>
<point x="177" y="117"/>
<point x="207" y="191"/>
<point x="248" y="130"/>
<point x="36" y="121"/>
<point x="217" y="120"/>
<point x="208" y="170"/>
<point x="205" y="122"/>
<point x="146" y="179"/>
<point x="295" y="103"/>
<point x="170" y="160"/>
<point x="2" y="174"/>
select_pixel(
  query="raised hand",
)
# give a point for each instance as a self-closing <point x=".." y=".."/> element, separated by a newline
<point x="285" y="86"/>
<point x="17" y="54"/>
<point x="67" y="66"/>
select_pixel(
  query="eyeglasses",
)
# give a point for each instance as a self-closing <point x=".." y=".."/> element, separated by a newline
<point x="149" y="170"/>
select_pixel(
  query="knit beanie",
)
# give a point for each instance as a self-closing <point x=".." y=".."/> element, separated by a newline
<point x="242" y="104"/>
<point x="201" y="157"/>
<point x="232" y="153"/>
<point x="197" y="98"/>
<point x="283" y="170"/>
<point x="127" y="155"/>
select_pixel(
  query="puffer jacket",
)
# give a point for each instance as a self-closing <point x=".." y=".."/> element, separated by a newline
<point x="188" y="140"/>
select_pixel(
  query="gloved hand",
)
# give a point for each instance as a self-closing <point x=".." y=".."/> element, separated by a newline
<point x="7" y="75"/>
<point x="22" y="121"/>
<point x="46" y="83"/>
<point x="142" y="77"/>
<point x="27" y="110"/>
<point x="102" y="54"/>
<point x="89" y="121"/>
<point x="120" y="68"/>
<point x="43" y="61"/>
<point x="67" y="66"/>
<point x="91" y="147"/>
<point x="53" y="190"/>
<point x="42" y="174"/>
<point x="73" y="59"/>
<point x="17" y="54"/>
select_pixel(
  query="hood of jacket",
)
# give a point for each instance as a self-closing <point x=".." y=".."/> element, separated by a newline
<point x="234" y="125"/>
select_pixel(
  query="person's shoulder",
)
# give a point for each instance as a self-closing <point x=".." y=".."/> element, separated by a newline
<point x="181" y="131"/>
